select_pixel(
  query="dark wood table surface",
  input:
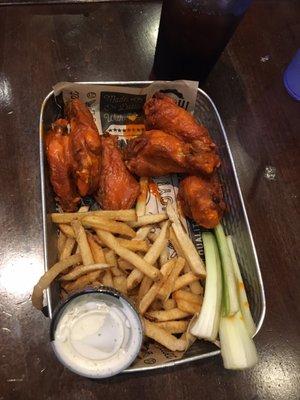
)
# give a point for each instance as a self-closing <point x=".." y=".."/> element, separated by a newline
<point x="43" y="44"/>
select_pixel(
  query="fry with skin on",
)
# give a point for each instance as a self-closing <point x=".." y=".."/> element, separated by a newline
<point x="173" y="326"/>
<point x="140" y="207"/>
<point x="163" y="337"/>
<point x="145" y="267"/>
<point x="49" y="276"/>
<point x="67" y="249"/>
<point x="190" y="252"/>
<point x="83" y="244"/>
<point x="167" y="288"/>
<point x="82" y="270"/>
<point x="185" y="280"/>
<point x="148" y="219"/>
<point x="150" y="257"/>
<point x="108" y="225"/>
<point x="168" y="315"/>
<point x="117" y="215"/>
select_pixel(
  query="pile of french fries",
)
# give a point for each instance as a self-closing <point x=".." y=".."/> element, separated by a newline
<point x="129" y="251"/>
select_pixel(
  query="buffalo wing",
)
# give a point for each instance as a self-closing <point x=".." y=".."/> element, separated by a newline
<point x="61" y="165"/>
<point x="86" y="147"/>
<point x="202" y="200"/>
<point x="118" y="189"/>
<point x="157" y="153"/>
<point x="163" y="113"/>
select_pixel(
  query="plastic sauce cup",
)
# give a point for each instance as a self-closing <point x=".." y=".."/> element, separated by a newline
<point x="96" y="333"/>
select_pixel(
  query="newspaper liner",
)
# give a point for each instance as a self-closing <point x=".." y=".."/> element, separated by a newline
<point x="118" y="110"/>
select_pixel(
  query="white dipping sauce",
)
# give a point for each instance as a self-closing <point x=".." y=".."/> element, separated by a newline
<point x="97" y="335"/>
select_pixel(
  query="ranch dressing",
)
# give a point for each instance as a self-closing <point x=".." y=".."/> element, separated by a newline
<point x="97" y="335"/>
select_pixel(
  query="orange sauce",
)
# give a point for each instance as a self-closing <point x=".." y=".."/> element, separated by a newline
<point x="153" y="188"/>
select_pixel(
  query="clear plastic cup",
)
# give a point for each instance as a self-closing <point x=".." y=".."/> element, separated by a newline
<point x="96" y="333"/>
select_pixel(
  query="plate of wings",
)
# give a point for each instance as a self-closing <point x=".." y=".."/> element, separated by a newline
<point x="84" y="163"/>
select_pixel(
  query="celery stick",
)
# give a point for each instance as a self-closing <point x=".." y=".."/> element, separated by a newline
<point x="243" y="300"/>
<point x="230" y="297"/>
<point x="237" y="348"/>
<point x="206" y="325"/>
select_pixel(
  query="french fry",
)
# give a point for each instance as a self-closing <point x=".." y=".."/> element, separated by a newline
<point x="96" y="250"/>
<point x="82" y="282"/>
<point x="187" y="296"/>
<point x="167" y="315"/>
<point x="140" y="207"/>
<point x="149" y="297"/>
<point x="164" y="256"/>
<point x="67" y="230"/>
<point x="111" y="259"/>
<point x="185" y="280"/>
<point x="187" y="301"/>
<point x="118" y="215"/>
<point x="194" y="286"/>
<point x="169" y="304"/>
<point x="155" y="305"/>
<point x="167" y="288"/>
<point x="148" y="219"/>
<point x="191" y="308"/>
<point x="107" y="225"/>
<point x="107" y="279"/>
<point x="67" y="249"/>
<point x="83" y="209"/>
<point x="83" y="244"/>
<point x="125" y="265"/>
<point x="134" y="245"/>
<point x="61" y="242"/>
<point x="173" y="326"/>
<point x="175" y="243"/>
<point x="120" y="284"/>
<point x="139" y="263"/>
<point x="49" y="276"/>
<point x="144" y="287"/>
<point x="151" y="256"/>
<point x="163" y="337"/>
<point x="82" y="270"/>
<point x="190" y="252"/>
<point x="142" y="233"/>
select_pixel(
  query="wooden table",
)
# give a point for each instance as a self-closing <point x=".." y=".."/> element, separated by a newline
<point x="43" y="44"/>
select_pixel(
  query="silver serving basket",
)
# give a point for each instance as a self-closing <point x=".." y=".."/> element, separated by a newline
<point x="235" y="221"/>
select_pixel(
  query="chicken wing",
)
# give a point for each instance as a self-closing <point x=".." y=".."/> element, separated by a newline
<point x="61" y="165"/>
<point x="163" y="113"/>
<point x="202" y="200"/>
<point x="86" y="147"/>
<point x="118" y="189"/>
<point x="157" y="153"/>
